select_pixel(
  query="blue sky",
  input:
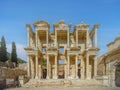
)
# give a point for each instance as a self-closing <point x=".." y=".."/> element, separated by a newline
<point x="15" y="14"/>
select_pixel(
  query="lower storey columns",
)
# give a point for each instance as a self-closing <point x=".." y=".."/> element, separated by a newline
<point x="65" y="68"/>
<point x="28" y="59"/>
<point x="76" y="61"/>
<point x="40" y="72"/>
<point x="68" y="66"/>
<point x="56" y="69"/>
<point x="95" y="66"/>
<point x="36" y="77"/>
<point x="82" y="68"/>
<point x="88" y="68"/>
<point x="48" y="67"/>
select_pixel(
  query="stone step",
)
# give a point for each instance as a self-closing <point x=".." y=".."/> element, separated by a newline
<point x="63" y="83"/>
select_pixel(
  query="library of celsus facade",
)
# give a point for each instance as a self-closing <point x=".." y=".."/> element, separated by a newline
<point x="62" y="53"/>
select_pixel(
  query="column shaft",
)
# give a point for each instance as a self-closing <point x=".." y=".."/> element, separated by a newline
<point x="40" y="74"/>
<point x="83" y="68"/>
<point x="76" y="37"/>
<point x="56" y="75"/>
<point x="47" y="38"/>
<point x="28" y="39"/>
<point x="87" y="41"/>
<point x="87" y="67"/>
<point x="36" y="39"/>
<point x="65" y="68"/>
<point x="95" y="66"/>
<point x="95" y="37"/>
<point x="47" y="66"/>
<point x="36" y="67"/>
<point x="68" y="38"/>
<point x="56" y="37"/>
<point x="28" y="59"/>
<point x="76" y="67"/>
<point x="68" y="65"/>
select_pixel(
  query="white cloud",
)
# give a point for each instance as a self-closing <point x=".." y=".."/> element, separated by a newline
<point x="20" y="50"/>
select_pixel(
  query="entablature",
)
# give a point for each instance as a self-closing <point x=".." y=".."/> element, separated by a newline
<point x="93" y="51"/>
<point x="31" y="51"/>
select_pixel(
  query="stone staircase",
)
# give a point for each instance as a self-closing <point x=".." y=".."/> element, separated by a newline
<point x="63" y="83"/>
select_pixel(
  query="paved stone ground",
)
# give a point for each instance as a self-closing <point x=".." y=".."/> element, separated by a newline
<point x="68" y="88"/>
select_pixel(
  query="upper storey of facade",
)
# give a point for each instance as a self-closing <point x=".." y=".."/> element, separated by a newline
<point x="61" y="37"/>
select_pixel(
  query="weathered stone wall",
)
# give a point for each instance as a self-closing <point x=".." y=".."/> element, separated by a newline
<point x="10" y="74"/>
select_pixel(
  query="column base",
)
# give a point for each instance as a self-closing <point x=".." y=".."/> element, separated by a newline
<point x="76" y="77"/>
<point x="69" y="77"/>
<point x="82" y="78"/>
<point x="55" y="77"/>
<point x="88" y="78"/>
<point x="47" y="77"/>
<point x="36" y="77"/>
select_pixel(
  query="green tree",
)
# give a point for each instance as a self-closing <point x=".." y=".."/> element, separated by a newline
<point x="3" y="50"/>
<point x="13" y="53"/>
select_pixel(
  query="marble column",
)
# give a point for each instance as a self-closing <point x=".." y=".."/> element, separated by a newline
<point x="68" y="38"/>
<point x="87" y="67"/>
<point x="65" y="68"/>
<point x="95" y="38"/>
<point x="36" y="39"/>
<point x="32" y="64"/>
<point x="56" y="37"/>
<point x="95" y="66"/>
<point x="47" y="37"/>
<point x="82" y="68"/>
<point x="56" y="70"/>
<point x="48" y="67"/>
<point x="36" y="76"/>
<point x="28" y="39"/>
<point x="28" y="59"/>
<point x="76" y="37"/>
<point x="68" y="66"/>
<point x="87" y="41"/>
<point x="40" y="72"/>
<point x="76" y="62"/>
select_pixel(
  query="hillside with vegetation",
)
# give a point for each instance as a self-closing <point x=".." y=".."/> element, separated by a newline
<point x="18" y="59"/>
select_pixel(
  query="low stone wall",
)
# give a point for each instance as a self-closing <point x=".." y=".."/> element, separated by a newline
<point x="10" y="75"/>
<point x="104" y="80"/>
